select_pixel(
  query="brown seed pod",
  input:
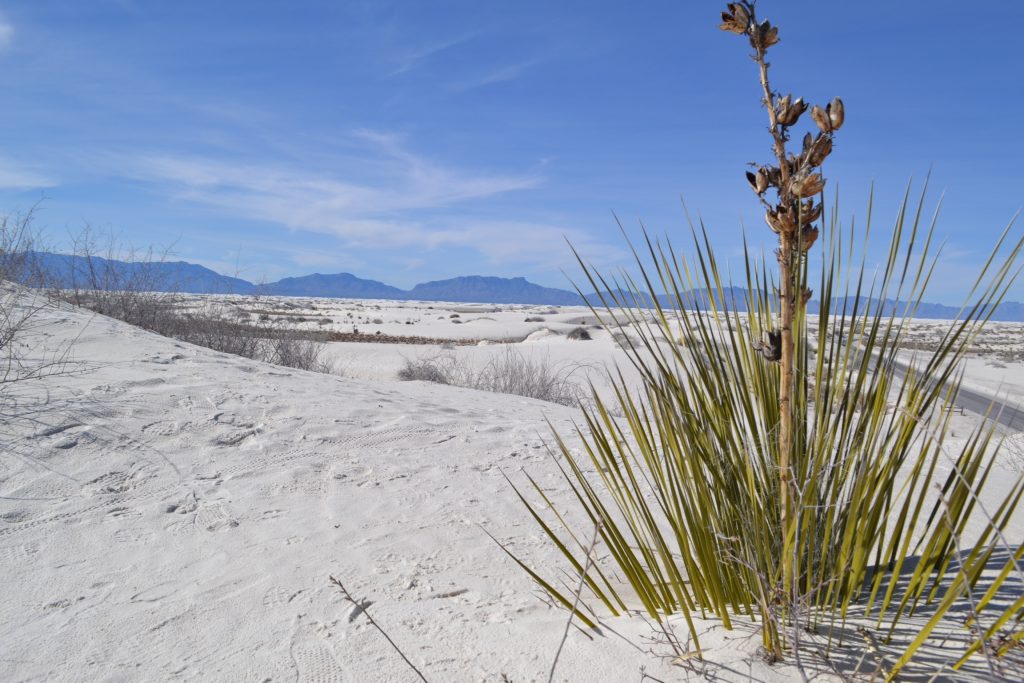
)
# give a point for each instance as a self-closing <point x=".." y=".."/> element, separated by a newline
<point x="773" y="174"/>
<point x="773" y="222"/>
<point x="821" y="148"/>
<point x="808" y="186"/>
<point x="760" y="181"/>
<point x="780" y="220"/>
<point x="808" y="236"/>
<point x="793" y="162"/>
<point x="735" y="19"/>
<point x="788" y="112"/>
<point x="806" y="295"/>
<point x="808" y="141"/>
<point x="770" y="345"/>
<point x="767" y="34"/>
<point x="782" y="105"/>
<point x="809" y="212"/>
<point x="821" y="119"/>
<point x="836" y="113"/>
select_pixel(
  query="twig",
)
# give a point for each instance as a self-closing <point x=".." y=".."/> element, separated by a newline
<point x="365" y="610"/>
<point x="576" y="599"/>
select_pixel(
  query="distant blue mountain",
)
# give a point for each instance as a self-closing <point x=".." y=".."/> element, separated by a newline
<point x="66" y="271"/>
<point x="74" y="271"/>
<point x="735" y="299"/>
<point x="492" y="290"/>
<point x="341" y="286"/>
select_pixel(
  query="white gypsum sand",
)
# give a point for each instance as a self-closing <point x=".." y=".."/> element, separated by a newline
<point x="173" y="513"/>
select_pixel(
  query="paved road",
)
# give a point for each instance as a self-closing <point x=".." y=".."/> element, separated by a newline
<point x="1006" y="410"/>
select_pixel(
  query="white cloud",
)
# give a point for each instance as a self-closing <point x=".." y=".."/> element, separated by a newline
<point x="413" y="58"/>
<point x="14" y="176"/>
<point x="499" y="75"/>
<point x="403" y="202"/>
<point x="360" y="212"/>
<point x="6" y="34"/>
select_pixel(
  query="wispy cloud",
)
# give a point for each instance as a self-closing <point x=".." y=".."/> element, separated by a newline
<point x="411" y="203"/>
<point x="380" y="213"/>
<point x="498" y="75"/>
<point x="14" y="176"/>
<point x="6" y="34"/>
<point x="414" y="58"/>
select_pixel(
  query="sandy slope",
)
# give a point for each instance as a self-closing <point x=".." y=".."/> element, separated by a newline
<point x="175" y="513"/>
<point x="172" y="513"/>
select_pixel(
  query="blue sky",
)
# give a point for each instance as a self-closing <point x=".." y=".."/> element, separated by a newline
<point x="408" y="141"/>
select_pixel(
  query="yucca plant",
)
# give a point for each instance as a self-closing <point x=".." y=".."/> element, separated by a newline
<point x="780" y="464"/>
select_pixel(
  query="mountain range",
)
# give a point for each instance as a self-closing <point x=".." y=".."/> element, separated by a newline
<point x="67" y="271"/>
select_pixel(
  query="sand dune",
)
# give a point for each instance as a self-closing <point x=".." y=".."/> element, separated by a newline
<point x="173" y="513"/>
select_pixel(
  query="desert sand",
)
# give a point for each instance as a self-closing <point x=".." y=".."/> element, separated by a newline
<point x="168" y="512"/>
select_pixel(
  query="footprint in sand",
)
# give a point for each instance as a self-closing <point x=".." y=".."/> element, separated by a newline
<point x="314" y="658"/>
<point x="134" y="536"/>
<point x="16" y="553"/>
<point x="215" y="517"/>
<point x="16" y="516"/>
<point x="277" y="596"/>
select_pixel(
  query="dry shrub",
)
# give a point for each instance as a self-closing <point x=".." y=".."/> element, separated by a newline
<point x="510" y="372"/>
<point x="133" y="295"/>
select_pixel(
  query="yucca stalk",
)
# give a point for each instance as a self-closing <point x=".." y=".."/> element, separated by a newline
<point x="794" y="178"/>
<point x="861" y="513"/>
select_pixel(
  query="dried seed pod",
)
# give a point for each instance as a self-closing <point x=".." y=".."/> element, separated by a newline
<point x="782" y="105"/>
<point x="758" y="181"/>
<point x="809" y="212"/>
<point x="762" y="181"/>
<point x="793" y="162"/>
<point x="780" y="220"/>
<point x="836" y="113"/>
<point x="735" y="19"/>
<point x="821" y="119"/>
<point x="806" y="295"/>
<point x="808" y="141"/>
<point x="752" y="180"/>
<point x="773" y="174"/>
<point x="770" y="345"/>
<point x="808" y="236"/>
<point x="767" y="35"/>
<point x="789" y="112"/>
<point x="808" y="186"/>
<point x="821" y="148"/>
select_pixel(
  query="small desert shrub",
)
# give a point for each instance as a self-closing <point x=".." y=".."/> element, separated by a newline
<point x="454" y="315"/>
<point x="534" y="319"/>
<point x="578" y="334"/>
<point x="294" y="352"/>
<point x="435" y="369"/>
<point x="623" y="340"/>
<point x="515" y="373"/>
<point x="511" y="372"/>
<point x="131" y="295"/>
<point x="19" y="316"/>
<point x="377" y="321"/>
